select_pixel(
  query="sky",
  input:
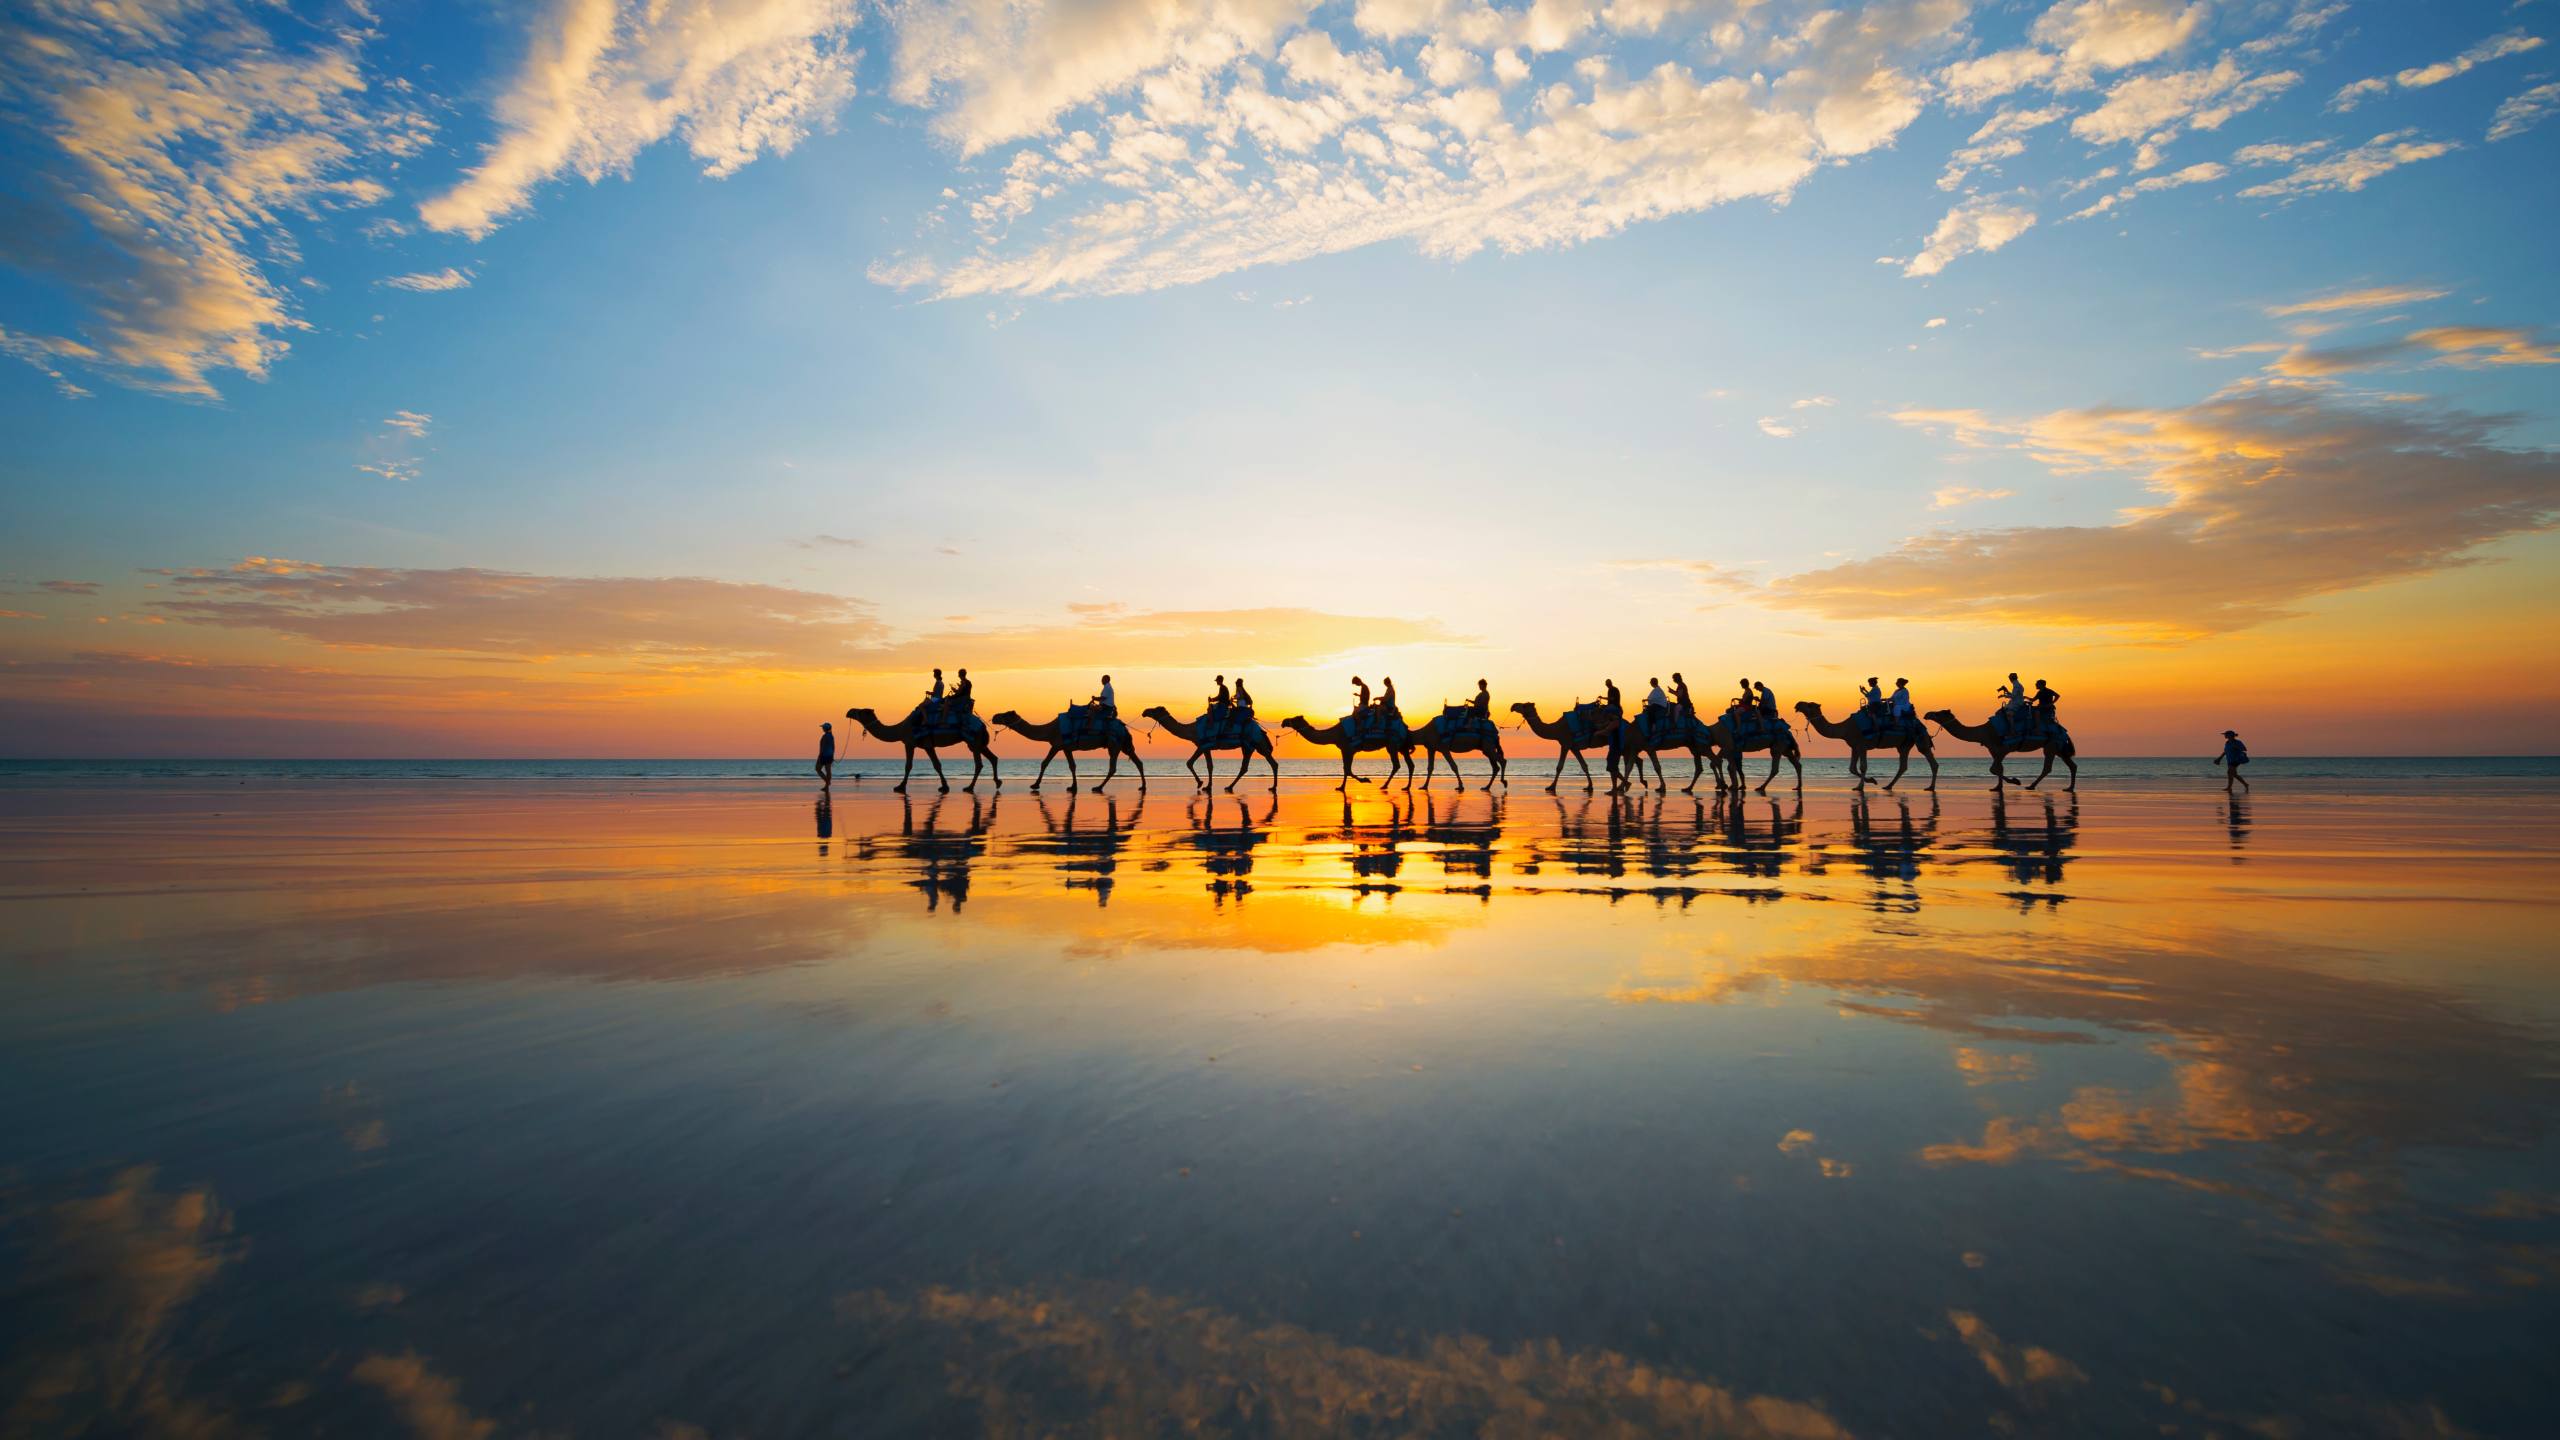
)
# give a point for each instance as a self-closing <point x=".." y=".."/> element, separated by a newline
<point x="662" y="378"/>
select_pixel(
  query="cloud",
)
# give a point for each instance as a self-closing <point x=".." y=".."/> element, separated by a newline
<point x="2074" y="41"/>
<point x="603" y="80"/>
<point x="2352" y="170"/>
<point x="412" y="423"/>
<point x="1981" y="225"/>
<point x="2025" y="1369"/>
<point x="2261" y="501"/>
<point x="1813" y="402"/>
<point x="1157" y="145"/>
<point x="403" y="471"/>
<point x="2519" y="113"/>
<point x="431" y="1403"/>
<point x="1935" y="322"/>
<point x="830" y="541"/>
<point x="679" y="623"/>
<point x="1776" y="429"/>
<point x="2001" y="137"/>
<point x="69" y="587"/>
<point x="447" y="278"/>
<point x="2203" y="173"/>
<point x="2465" y="347"/>
<point x="2374" y="297"/>
<point x="177" y="146"/>
<point x="2155" y="109"/>
<point x="2418" y="77"/>
<point x="1948" y="497"/>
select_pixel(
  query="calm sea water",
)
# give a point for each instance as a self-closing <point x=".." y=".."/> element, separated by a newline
<point x="615" y="1099"/>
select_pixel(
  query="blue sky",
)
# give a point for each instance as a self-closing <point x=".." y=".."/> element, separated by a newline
<point x="1700" y="322"/>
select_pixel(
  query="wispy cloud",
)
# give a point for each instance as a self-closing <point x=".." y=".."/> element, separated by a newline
<point x="412" y="423"/>
<point x="427" y="281"/>
<point x="2354" y="169"/>
<point x="2371" y="297"/>
<point x="1948" y="497"/>
<point x="2418" y="77"/>
<point x="2519" y="113"/>
<point x="2466" y="347"/>
<point x="603" y="80"/>
<point x="1775" y="428"/>
<point x="178" y="143"/>
<point x="2262" y="501"/>
<point x="1979" y="225"/>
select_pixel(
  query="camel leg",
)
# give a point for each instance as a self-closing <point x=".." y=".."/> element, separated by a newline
<point x="995" y="767"/>
<point x="2047" y="770"/>
<point x="2072" y="786"/>
<point x="1932" y="757"/>
<point x="1074" y="781"/>
<point x="1407" y="757"/>
<point x="1044" y="769"/>
<point x="936" y="757"/>
<point x="1191" y="763"/>
<point x="972" y="786"/>
<point x="910" y="770"/>
<point x="1904" y="756"/>
<point x="1659" y="783"/>
<point x="1270" y="757"/>
<point x="1346" y="772"/>
<point x="1141" y="767"/>
<point x="1773" y="772"/>
<point x="1586" y="771"/>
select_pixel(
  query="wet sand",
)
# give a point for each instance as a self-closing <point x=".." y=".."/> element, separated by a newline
<point x="615" y="1109"/>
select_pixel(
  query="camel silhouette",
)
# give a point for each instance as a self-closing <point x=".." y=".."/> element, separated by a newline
<point x="914" y="734"/>
<point x="1249" y="737"/>
<point x="1455" y="730"/>
<point x="1112" y="739"/>
<point x="1600" y="731"/>
<point x="1338" y="737"/>
<point x="1983" y="735"/>
<point x="1774" y="737"/>
<point x="1848" y="733"/>
<point x="1645" y="738"/>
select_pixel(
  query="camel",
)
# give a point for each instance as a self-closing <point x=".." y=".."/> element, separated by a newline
<point x="914" y="734"/>
<point x="1848" y="733"/>
<point x="1254" y="741"/>
<point x="1600" y="728"/>
<point x="1983" y="735"/>
<point x="1459" y="724"/>
<point x="1778" y="740"/>
<point x="1337" y="736"/>
<point x="1112" y="739"/>
<point x="1636" y="742"/>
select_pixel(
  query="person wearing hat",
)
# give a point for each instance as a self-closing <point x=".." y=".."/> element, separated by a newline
<point x="2234" y="755"/>
<point x="826" y="755"/>
<point x="1871" y="697"/>
<point x="1901" y="703"/>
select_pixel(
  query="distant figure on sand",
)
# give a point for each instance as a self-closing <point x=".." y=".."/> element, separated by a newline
<point x="2234" y="755"/>
<point x="826" y="755"/>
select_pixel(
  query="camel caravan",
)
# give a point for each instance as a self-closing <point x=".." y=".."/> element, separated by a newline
<point x="1629" y="744"/>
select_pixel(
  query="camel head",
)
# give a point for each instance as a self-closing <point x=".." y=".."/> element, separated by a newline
<point x="1158" y="714"/>
<point x="1945" y="718"/>
<point x="1299" y="724"/>
<point x="1007" y="719"/>
<point x="1527" y="709"/>
<point x="865" y="717"/>
<point x="1810" y="708"/>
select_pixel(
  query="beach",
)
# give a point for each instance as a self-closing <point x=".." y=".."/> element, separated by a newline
<point x="668" y="1102"/>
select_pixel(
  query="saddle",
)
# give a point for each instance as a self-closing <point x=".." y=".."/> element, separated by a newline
<point x="1883" y="728"/>
<point x="1582" y="722"/>
<point x="1377" y="725"/>
<point x="1750" y="727"/>
<point x="943" y="723"/>
<point x="1223" y="725"/>
<point x="1082" y="723"/>
<point x="1461" y="722"/>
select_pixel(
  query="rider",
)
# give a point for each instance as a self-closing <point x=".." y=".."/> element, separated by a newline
<point x="1219" y="701"/>
<point x="963" y="696"/>
<point x="1243" y="702"/>
<point x="2013" y="703"/>
<point x="2046" y="697"/>
<point x="1680" y="696"/>
<point x="1359" y="696"/>
<point x="1871" y="698"/>
<point x="1387" y="695"/>
<point x="1106" y="701"/>
<point x="1901" y="703"/>
<point x="933" y="697"/>
<point x="1768" y="702"/>
<point x="1483" y="703"/>
<point x="1617" y="704"/>
<point x="1655" y="701"/>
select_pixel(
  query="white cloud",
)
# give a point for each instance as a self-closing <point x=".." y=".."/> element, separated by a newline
<point x="1948" y="497"/>
<point x="2418" y="77"/>
<point x="2072" y="43"/>
<point x="1983" y="224"/>
<point x="2156" y="108"/>
<point x="603" y="80"/>
<point x="1813" y="402"/>
<point x="2001" y="137"/>
<point x="447" y="278"/>
<point x="2519" y="113"/>
<point x="180" y="145"/>
<point x="1775" y="428"/>
<point x="2198" y="174"/>
<point x="1936" y="322"/>
<point x="412" y="423"/>
<point x="2373" y="297"/>
<point x="2354" y="169"/>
